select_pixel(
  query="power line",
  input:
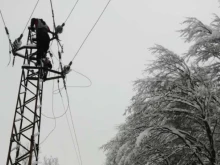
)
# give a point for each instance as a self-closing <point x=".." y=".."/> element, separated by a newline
<point x="7" y="32"/>
<point x="56" y="117"/>
<point x="60" y="89"/>
<point x="67" y="123"/>
<point x="9" y="54"/>
<point x="76" y="86"/>
<point x="54" y="26"/>
<point x="53" y="115"/>
<point x="70" y="131"/>
<point x="91" y="30"/>
<point x="6" y="29"/>
<point x="51" y="4"/>
<point x="85" y="77"/>
<point x="73" y="127"/>
<point x="2" y="18"/>
<point x="71" y="11"/>
<point x="31" y="15"/>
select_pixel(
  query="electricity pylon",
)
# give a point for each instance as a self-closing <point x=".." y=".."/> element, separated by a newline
<point x="27" y="118"/>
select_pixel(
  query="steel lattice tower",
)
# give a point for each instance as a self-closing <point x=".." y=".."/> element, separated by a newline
<point x="26" y="126"/>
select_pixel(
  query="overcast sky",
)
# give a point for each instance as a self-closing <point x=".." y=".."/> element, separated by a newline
<point x="113" y="57"/>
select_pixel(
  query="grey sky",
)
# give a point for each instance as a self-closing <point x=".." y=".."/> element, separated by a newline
<point x="113" y="57"/>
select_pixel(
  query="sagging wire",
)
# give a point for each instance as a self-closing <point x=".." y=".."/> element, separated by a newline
<point x="75" y="86"/>
<point x="74" y="130"/>
<point x="78" y="157"/>
<point x="59" y="91"/>
<point x="55" y="124"/>
<point x="91" y="29"/>
<point x="56" y="117"/>
<point x="65" y="113"/>
<point x="68" y="108"/>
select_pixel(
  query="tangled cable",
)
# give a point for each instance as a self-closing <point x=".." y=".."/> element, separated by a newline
<point x="75" y="86"/>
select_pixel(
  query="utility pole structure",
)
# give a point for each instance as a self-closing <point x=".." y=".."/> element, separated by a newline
<point x="25" y="134"/>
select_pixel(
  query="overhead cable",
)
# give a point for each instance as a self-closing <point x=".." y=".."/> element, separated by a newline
<point x="30" y="16"/>
<point x="78" y="159"/>
<point x="91" y="30"/>
<point x="71" y="11"/>
<point x="55" y="117"/>
<point x="7" y="32"/>
<point x="74" y="130"/>
<point x="76" y="86"/>
<point x="2" y="18"/>
<point x="55" y="124"/>
<point x="54" y="25"/>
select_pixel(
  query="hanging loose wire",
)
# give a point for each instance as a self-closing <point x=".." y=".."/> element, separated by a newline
<point x="76" y="86"/>
<point x="78" y="159"/>
<point x="56" y="117"/>
<point x="30" y="16"/>
<point x="71" y="11"/>
<point x="60" y="89"/>
<point x="77" y="155"/>
<point x="74" y="130"/>
<point x="91" y="30"/>
<point x="55" y="124"/>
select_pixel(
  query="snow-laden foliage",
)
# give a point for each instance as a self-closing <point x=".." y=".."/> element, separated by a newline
<point x="50" y="161"/>
<point x="175" y="113"/>
<point x="206" y="38"/>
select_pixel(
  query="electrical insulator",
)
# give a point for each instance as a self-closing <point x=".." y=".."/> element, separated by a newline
<point x="59" y="29"/>
<point x="17" y="44"/>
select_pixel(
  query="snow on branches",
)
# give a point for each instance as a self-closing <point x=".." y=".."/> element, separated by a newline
<point x="207" y="38"/>
<point x="174" y="115"/>
<point x="195" y="29"/>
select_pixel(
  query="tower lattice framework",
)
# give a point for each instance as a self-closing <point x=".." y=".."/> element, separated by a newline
<point x="25" y="134"/>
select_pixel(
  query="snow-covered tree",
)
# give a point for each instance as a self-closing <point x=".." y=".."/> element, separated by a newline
<point x="174" y="116"/>
<point x="50" y="161"/>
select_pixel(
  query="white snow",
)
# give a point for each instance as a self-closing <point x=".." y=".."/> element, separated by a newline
<point x="142" y="135"/>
